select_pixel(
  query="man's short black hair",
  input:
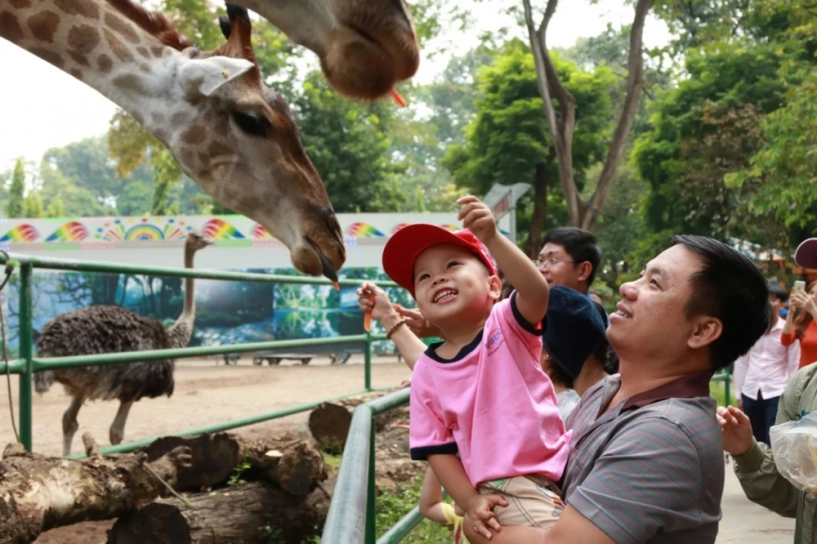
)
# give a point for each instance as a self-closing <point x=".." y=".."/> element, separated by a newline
<point x="778" y="292"/>
<point x="579" y="244"/>
<point x="732" y="289"/>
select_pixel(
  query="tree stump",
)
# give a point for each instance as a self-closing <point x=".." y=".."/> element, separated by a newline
<point x="329" y="423"/>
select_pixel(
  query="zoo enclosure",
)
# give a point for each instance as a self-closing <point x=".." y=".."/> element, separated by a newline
<point x="26" y="364"/>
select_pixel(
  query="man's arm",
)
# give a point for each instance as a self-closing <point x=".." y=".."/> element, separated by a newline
<point x="531" y="287"/>
<point x="572" y="528"/>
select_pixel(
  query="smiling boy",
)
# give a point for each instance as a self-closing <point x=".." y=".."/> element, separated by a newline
<point x="483" y="413"/>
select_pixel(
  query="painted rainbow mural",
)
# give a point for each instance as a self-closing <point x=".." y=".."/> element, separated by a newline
<point x="21" y="233"/>
<point x="144" y="233"/>
<point x="399" y="226"/>
<point x="69" y="232"/>
<point x="363" y="230"/>
<point x="260" y="233"/>
<point x="218" y="229"/>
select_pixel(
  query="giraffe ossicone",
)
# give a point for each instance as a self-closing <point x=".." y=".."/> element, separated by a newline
<point x="232" y="135"/>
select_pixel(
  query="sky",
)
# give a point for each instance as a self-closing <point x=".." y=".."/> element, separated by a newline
<point x="42" y="107"/>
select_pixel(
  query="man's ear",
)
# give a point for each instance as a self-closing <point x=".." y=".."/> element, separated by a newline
<point x="495" y="286"/>
<point x="705" y="330"/>
<point x="585" y="269"/>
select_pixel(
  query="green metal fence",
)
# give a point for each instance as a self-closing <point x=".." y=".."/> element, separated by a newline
<point x="27" y="363"/>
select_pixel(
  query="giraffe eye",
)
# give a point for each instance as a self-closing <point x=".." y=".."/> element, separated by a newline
<point x="252" y="124"/>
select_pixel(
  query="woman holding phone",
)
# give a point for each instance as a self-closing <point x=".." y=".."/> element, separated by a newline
<point x="801" y="322"/>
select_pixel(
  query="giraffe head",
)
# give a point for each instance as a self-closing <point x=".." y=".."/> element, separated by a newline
<point x="365" y="46"/>
<point x="241" y="144"/>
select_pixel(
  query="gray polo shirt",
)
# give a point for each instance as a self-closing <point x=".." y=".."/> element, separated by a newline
<point x="650" y="469"/>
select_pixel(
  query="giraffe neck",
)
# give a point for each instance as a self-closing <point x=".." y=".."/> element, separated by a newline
<point x="96" y="43"/>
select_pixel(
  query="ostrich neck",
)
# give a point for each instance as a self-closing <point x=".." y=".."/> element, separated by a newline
<point x="185" y="321"/>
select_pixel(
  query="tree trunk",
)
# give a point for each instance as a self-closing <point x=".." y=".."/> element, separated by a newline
<point x="635" y="83"/>
<point x="540" y="211"/>
<point x="583" y="214"/>
<point x="38" y="493"/>
<point x="245" y="514"/>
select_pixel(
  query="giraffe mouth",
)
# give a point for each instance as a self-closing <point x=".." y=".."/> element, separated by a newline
<point x="328" y="270"/>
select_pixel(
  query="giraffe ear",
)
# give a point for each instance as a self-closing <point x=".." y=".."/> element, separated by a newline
<point x="206" y="76"/>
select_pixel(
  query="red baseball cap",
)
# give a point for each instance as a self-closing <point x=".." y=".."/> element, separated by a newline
<point x="408" y="243"/>
<point x="806" y="254"/>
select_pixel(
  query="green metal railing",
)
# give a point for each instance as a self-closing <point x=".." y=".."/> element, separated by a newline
<point x="27" y="363"/>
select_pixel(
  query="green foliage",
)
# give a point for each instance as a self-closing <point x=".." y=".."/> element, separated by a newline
<point x="16" y="190"/>
<point x="702" y="130"/>
<point x="348" y="143"/>
<point x="33" y="205"/>
<point x="392" y="504"/>
<point x="236" y="477"/>
<point x="783" y="169"/>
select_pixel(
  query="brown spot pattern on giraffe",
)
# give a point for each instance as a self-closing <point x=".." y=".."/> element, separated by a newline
<point x="122" y="27"/>
<point x="10" y="28"/>
<point x="143" y="51"/>
<point x="104" y="63"/>
<point x="218" y="148"/>
<point x="194" y="135"/>
<point x="117" y="47"/>
<point x="86" y="8"/>
<point x="157" y="51"/>
<point x="76" y="73"/>
<point x="48" y="56"/>
<point x="20" y="4"/>
<point x="43" y="25"/>
<point x="127" y="81"/>
<point x="79" y="58"/>
<point x="83" y="39"/>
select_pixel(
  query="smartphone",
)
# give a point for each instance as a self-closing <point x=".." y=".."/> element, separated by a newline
<point x="800" y="286"/>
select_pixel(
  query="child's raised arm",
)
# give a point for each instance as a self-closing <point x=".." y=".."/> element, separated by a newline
<point x="372" y="299"/>
<point x="531" y="286"/>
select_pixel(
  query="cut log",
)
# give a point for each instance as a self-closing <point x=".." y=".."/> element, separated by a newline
<point x="38" y="493"/>
<point x="245" y="514"/>
<point x="295" y="466"/>
<point x="329" y="423"/>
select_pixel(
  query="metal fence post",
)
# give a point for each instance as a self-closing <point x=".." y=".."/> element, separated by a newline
<point x="367" y="355"/>
<point x="371" y="521"/>
<point x="25" y="337"/>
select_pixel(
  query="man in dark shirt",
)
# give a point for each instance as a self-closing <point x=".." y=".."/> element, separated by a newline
<point x="646" y="464"/>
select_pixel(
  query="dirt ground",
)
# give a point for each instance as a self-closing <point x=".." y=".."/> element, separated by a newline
<point x="206" y="392"/>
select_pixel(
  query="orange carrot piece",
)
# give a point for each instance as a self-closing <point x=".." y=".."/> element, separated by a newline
<point x="398" y="98"/>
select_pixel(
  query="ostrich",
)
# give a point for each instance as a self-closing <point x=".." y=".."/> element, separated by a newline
<point x="112" y="329"/>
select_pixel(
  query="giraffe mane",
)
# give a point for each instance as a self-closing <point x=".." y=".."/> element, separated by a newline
<point x="153" y="22"/>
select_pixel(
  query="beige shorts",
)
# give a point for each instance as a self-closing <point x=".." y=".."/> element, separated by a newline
<point x="533" y="501"/>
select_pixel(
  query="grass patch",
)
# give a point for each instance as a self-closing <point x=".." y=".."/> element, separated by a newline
<point x="392" y="505"/>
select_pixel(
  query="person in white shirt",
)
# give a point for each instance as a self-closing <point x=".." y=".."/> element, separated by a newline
<point x="762" y="374"/>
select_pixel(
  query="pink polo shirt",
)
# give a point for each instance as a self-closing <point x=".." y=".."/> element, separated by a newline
<point x="492" y="404"/>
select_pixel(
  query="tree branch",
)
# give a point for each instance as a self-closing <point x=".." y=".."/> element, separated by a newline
<point x="560" y="129"/>
<point x="635" y="82"/>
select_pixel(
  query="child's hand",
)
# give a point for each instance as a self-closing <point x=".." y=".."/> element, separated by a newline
<point x="417" y="323"/>
<point x="479" y="512"/>
<point x="477" y="218"/>
<point x="374" y="300"/>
